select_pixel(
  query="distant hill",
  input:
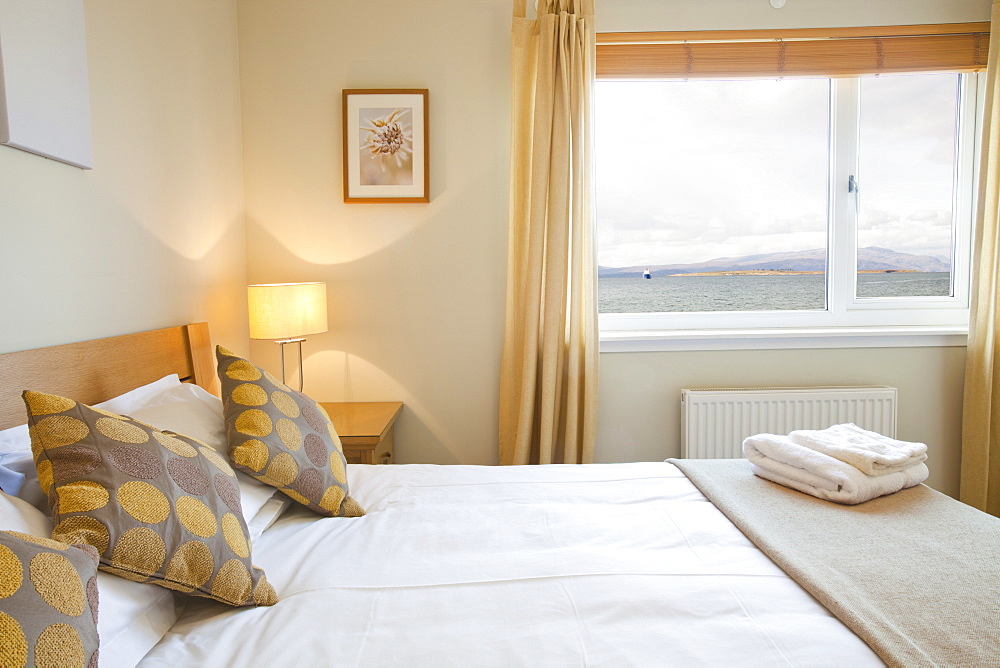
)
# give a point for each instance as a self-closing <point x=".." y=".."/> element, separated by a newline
<point x="871" y="258"/>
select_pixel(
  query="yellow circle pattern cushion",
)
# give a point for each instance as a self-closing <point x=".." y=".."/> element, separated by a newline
<point x="282" y="470"/>
<point x="283" y="438"/>
<point x="191" y="566"/>
<point x="59" y="430"/>
<point x="45" y="475"/>
<point x="242" y="371"/>
<point x="79" y="496"/>
<point x="217" y="460"/>
<point x="289" y="433"/>
<point x="83" y="529"/>
<point x="139" y="550"/>
<point x="125" y="432"/>
<point x="150" y="503"/>
<point x="249" y="394"/>
<point x="50" y="572"/>
<point x="175" y="445"/>
<point x="196" y="517"/>
<point x="10" y="572"/>
<point x="251" y="454"/>
<point x="231" y="530"/>
<point x="49" y="404"/>
<point x="48" y="602"/>
<point x="253" y="423"/>
<point x="143" y="502"/>
<point x="284" y="403"/>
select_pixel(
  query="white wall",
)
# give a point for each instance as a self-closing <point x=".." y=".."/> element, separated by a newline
<point x="417" y="291"/>
<point x="153" y="236"/>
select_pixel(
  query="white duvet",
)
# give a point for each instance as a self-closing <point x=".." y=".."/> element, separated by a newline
<point x="597" y="565"/>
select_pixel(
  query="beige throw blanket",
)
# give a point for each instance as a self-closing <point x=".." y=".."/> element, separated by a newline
<point x="915" y="574"/>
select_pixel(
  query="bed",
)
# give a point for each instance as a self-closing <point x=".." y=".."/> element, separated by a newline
<point x="604" y="564"/>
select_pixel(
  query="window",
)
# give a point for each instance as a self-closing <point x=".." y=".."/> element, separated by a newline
<point x="784" y="201"/>
<point x="709" y="183"/>
<point x="907" y="159"/>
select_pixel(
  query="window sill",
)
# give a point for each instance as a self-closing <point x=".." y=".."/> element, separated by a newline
<point x="628" y="341"/>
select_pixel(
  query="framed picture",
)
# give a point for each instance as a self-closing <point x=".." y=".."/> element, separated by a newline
<point x="385" y="146"/>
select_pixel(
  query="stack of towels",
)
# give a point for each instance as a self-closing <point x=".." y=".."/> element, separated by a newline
<point x="843" y="463"/>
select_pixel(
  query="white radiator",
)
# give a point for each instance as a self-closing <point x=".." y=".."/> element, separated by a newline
<point x="715" y="421"/>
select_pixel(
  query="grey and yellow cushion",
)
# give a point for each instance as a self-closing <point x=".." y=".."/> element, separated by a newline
<point x="48" y="602"/>
<point x="159" y="507"/>
<point x="283" y="438"/>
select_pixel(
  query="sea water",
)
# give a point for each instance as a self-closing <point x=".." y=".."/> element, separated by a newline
<point x="792" y="292"/>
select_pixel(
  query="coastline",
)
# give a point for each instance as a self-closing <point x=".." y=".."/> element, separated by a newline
<point x="780" y="272"/>
<point x="719" y="292"/>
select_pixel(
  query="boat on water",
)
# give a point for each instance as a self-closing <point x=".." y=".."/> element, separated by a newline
<point x="646" y="274"/>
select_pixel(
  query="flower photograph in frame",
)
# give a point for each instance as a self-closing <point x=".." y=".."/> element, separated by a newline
<point x="385" y="145"/>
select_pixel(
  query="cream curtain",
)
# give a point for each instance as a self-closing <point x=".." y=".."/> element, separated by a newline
<point x="981" y="412"/>
<point x="548" y="387"/>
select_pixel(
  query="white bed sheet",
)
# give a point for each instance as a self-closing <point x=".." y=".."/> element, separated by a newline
<point x="604" y="564"/>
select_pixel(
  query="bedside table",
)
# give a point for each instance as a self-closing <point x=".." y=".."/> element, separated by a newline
<point x="365" y="429"/>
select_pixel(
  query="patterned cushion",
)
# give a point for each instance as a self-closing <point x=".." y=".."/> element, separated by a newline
<point x="283" y="438"/>
<point x="158" y="506"/>
<point x="48" y="602"/>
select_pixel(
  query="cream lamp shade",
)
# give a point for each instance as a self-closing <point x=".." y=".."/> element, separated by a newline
<point x="287" y="310"/>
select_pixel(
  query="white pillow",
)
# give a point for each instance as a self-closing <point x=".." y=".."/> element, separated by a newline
<point x="124" y="404"/>
<point x="15" y="439"/>
<point x="192" y="411"/>
<point x="13" y="460"/>
<point x="132" y="617"/>
<point x="17" y="464"/>
<point x="268" y="513"/>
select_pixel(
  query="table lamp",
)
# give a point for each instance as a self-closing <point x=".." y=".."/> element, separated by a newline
<point x="287" y="312"/>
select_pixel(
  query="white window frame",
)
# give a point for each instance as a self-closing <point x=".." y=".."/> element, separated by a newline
<point x="848" y="321"/>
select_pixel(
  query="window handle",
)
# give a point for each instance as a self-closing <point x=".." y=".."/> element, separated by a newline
<point x="854" y="187"/>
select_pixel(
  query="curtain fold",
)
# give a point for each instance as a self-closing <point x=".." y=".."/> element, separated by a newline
<point x="548" y="386"/>
<point x="980" y="483"/>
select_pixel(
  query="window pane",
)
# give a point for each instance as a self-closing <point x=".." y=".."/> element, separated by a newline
<point x="718" y="188"/>
<point x="907" y="177"/>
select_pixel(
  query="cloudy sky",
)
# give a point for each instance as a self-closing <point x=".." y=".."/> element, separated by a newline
<point x="690" y="171"/>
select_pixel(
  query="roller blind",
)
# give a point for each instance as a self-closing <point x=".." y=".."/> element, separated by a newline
<point x="829" y="52"/>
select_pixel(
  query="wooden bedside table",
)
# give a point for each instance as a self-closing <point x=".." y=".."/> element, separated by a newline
<point x="365" y="429"/>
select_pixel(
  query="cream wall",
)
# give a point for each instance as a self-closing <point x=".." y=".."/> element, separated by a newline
<point x="417" y="291"/>
<point x="634" y="15"/>
<point x="153" y="235"/>
<point x="640" y="393"/>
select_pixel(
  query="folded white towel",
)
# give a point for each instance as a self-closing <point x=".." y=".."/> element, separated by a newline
<point x="867" y="451"/>
<point x="779" y="460"/>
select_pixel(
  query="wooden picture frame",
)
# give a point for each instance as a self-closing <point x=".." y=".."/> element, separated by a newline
<point x="386" y="145"/>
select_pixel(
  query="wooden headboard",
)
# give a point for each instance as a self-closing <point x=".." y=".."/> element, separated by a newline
<point x="95" y="371"/>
